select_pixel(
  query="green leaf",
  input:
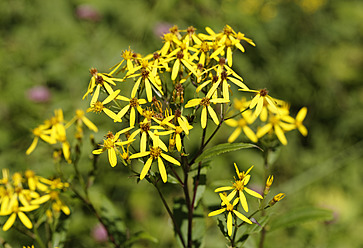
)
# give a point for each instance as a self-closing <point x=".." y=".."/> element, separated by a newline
<point x="140" y="236"/>
<point x="301" y="215"/>
<point x="181" y="218"/>
<point x="223" y="148"/>
<point x="201" y="185"/>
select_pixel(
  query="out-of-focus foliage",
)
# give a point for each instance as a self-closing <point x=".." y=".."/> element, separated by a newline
<point x="309" y="53"/>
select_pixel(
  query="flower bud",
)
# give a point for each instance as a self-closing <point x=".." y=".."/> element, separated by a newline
<point x="269" y="181"/>
<point x="276" y="198"/>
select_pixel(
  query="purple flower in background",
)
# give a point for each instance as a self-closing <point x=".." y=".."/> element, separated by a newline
<point x="162" y="28"/>
<point x="39" y="94"/>
<point x="88" y="13"/>
<point x="99" y="233"/>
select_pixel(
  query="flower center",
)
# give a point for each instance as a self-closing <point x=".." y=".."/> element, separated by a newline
<point x="263" y="92"/>
<point x="133" y="102"/>
<point x="205" y="102"/>
<point x="155" y="152"/>
<point x="238" y="185"/>
<point x="180" y="55"/>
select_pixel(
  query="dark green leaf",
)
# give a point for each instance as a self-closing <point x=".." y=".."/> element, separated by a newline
<point x="201" y="185"/>
<point x="223" y="148"/>
<point x="301" y="215"/>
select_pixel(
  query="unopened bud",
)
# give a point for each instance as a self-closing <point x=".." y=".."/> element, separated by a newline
<point x="277" y="198"/>
<point x="269" y="181"/>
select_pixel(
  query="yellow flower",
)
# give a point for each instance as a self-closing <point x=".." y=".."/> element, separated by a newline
<point x="17" y="211"/>
<point x="129" y="56"/>
<point x="205" y="103"/>
<point x="242" y="125"/>
<point x="134" y="103"/>
<point x="259" y="101"/>
<point x="99" y="80"/>
<point x="145" y="130"/>
<point x="277" y="198"/>
<point x="81" y="118"/>
<point x="277" y="126"/>
<point x="110" y="144"/>
<point x="299" y="121"/>
<point x="170" y="39"/>
<point x="239" y="186"/>
<point x="230" y="209"/>
<point x="42" y="132"/>
<point x="155" y="153"/>
<point x="146" y="76"/>
<point x="99" y="107"/>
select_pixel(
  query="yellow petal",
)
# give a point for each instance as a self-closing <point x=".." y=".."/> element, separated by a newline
<point x="216" y="212"/>
<point x="213" y="115"/>
<point x="204" y="117"/>
<point x="170" y="159"/>
<point x="242" y="217"/>
<point x="250" y="134"/>
<point x="9" y="223"/>
<point x="112" y="158"/>
<point x="280" y="134"/>
<point x="135" y="88"/>
<point x="32" y="146"/>
<point x="303" y="130"/>
<point x="110" y="97"/>
<point x="175" y="70"/>
<point x="146" y="168"/>
<point x="263" y="130"/>
<point x="301" y="114"/>
<point x="226" y="188"/>
<point x="229" y="223"/>
<point x="259" y="107"/>
<point x="253" y="193"/>
<point x="25" y="220"/>
<point x="234" y="135"/>
<point x="139" y="155"/>
<point x="111" y="114"/>
<point x="149" y="93"/>
<point x="89" y="124"/>
<point x="95" y="95"/>
<point x="243" y="201"/>
<point x="162" y="170"/>
<point x="132" y="117"/>
<point x="229" y="56"/>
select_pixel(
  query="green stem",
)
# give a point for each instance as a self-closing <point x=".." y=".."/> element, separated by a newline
<point x="177" y="230"/>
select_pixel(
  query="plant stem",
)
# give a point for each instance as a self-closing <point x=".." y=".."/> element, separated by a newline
<point x="171" y="215"/>
<point x="266" y="167"/>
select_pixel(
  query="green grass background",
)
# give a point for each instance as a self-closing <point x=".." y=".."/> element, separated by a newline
<point x="308" y="53"/>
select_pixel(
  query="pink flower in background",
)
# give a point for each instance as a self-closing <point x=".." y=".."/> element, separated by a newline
<point x="88" y="13"/>
<point x="99" y="233"/>
<point x="162" y="28"/>
<point x="39" y="94"/>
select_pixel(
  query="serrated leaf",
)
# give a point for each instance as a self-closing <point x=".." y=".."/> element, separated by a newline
<point x="301" y="215"/>
<point x="223" y="148"/>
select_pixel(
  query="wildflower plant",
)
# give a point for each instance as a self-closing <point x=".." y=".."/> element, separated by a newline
<point x="156" y="102"/>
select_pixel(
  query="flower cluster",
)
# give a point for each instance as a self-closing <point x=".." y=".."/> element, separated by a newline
<point x="20" y="194"/>
<point x="53" y="131"/>
<point x="238" y="188"/>
<point x="190" y="79"/>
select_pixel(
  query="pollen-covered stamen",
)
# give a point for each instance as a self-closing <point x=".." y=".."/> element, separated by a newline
<point x="144" y="73"/>
<point x="109" y="135"/>
<point x="229" y="207"/>
<point x="222" y="61"/>
<point x="145" y="127"/>
<point x="224" y="75"/>
<point x="127" y="54"/>
<point x="144" y="63"/>
<point x="156" y="55"/>
<point x="180" y="55"/>
<point x="205" y="102"/>
<point x="99" y="80"/>
<point x="159" y="116"/>
<point x="174" y="29"/>
<point x="227" y="30"/>
<point x="228" y="42"/>
<point x="215" y="79"/>
<point x="54" y="195"/>
<point x="155" y="152"/>
<point x="263" y="92"/>
<point x="239" y="185"/>
<point x="96" y="107"/>
<point x="191" y="30"/>
<point x="93" y="72"/>
<point x="148" y="114"/>
<point x="178" y="130"/>
<point x="134" y="102"/>
<point x="177" y="113"/>
<point x="204" y="47"/>
<point x="168" y="37"/>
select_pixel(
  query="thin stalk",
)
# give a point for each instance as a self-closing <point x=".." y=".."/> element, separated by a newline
<point x="266" y="167"/>
<point x="171" y="215"/>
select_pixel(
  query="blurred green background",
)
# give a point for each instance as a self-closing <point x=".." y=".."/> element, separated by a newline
<point x="309" y="53"/>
